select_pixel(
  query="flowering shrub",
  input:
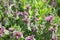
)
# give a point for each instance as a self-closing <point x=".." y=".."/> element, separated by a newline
<point x="29" y="20"/>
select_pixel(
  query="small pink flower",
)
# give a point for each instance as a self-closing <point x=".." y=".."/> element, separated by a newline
<point x="18" y="34"/>
<point x="30" y="37"/>
<point x="28" y="7"/>
<point x="25" y="13"/>
<point x="49" y="18"/>
<point x="53" y="0"/>
<point x="2" y="30"/>
<point x="36" y="19"/>
<point x="16" y="12"/>
<point x="34" y="29"/>
<point x="17" y="37"/>
<point x="54" y="37"/>
<point x="51" y="29"/>
<point x="53" y="3"/>
<point x="25" y="20"/>
<point x="20" y="13"/>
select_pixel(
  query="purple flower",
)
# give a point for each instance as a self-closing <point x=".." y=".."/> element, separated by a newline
<point x="49" y="18"/>
<point x="36" y="19"/>
<point x="20" y="13"/>
<point x="54" y="37"/>
<point x="25" y="20"/>
<point x="51" y="29"/>
<point x="53" y="0"/>
<point x="28" y="7"/>
<point x="25" y="13"/>
<point x="18" y="34"/>
<point x="16" y="12"/>
<point x="17" y="37"/>
<point x="30" y="37"/>
<point x="34" y="29"/>
<point x="53" y="3"/>
<point x="54" y="29"/>
<point x="2" y="30"/>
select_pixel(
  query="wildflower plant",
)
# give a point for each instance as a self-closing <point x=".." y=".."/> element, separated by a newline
<point x="29" y="20"/>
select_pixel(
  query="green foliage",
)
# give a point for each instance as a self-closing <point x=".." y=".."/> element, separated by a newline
<point x="36" y="13"/>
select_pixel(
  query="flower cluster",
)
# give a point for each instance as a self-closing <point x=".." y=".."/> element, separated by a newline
<point x="30" y="37"/>
<point x="2" y="30"/>
<point x="29" y="20"/>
